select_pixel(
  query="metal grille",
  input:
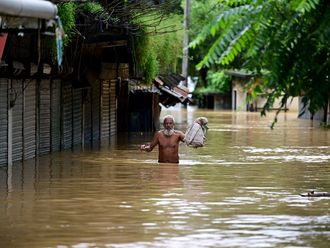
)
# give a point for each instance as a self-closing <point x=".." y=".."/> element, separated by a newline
<point x="113" y="107"/>
<point x="44" y="117"/>
<point x="87" y="125"/>
<point x="96" y="112"/>
<point x="3" y="122"/>
<point x="105" y="114"/>
<point x="56" y="115"/>
<point x="77" y="110"/>
<point x="29" y="126"/>
<point x="67" y="115"/>
<point x="17" y="121"/>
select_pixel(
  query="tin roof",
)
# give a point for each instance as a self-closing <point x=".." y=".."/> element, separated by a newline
<point x="171" y="90"/>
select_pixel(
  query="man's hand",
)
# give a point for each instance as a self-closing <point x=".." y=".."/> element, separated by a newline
<point x="145" y="147"/>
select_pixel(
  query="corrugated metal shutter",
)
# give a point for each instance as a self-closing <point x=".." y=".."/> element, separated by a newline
<point x="18" y="121"/>
<point x="29" y="126"/>
<point x="56" y="115"/>
<point x="96" y="112"/>
<point x="105" y="114"/>
<point x="3" y="122"/>
<point x="67" y="115"/>
<point x="87" y="103"/>
<point x="44" y="117"/>
<point x="77" y="121"/>
<point x="113" y="107"/>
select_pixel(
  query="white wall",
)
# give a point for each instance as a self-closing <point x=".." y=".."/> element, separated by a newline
<point x="238" y="86"/>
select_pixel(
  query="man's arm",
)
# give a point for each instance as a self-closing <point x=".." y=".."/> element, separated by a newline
<point x="182" y="136"/>
<point x="150" y="146"/>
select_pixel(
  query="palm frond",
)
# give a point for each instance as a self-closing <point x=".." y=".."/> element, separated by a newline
<point x="304" y="5"/>
<point x="231" y="41"/>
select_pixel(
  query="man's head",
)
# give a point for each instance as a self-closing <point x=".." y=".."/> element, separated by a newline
<point x="168" y="123"/>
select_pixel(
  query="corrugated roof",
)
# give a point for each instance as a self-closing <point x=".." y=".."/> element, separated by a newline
<point x="172" y="91"/>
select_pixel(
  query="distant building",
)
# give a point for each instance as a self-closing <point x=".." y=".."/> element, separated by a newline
<point x="240" y="95"/>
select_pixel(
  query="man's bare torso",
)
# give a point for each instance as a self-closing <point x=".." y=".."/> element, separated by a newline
<point x="169" y="147"/>
<point x="168" y="141"/>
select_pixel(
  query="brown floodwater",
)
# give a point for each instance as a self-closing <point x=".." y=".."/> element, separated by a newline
<point x="241" y="190"/>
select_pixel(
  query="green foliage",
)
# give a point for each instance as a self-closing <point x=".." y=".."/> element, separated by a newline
<point x="151" y="66"/>
<point x="304" y="5"/>
<point x="92" y="7"/>
<point x="231" y="31"/>
<point x="97" y="10"/>
<point x="67" y="11"/>
<point x="67" y="14"/>
<point x="168" y="46"/>
<point x="203" y="12"/>
<point x="218" y="82"/>
<point x="285" y="42"/>
<point x="158" y="51"/>
<point x="145" y="58"/>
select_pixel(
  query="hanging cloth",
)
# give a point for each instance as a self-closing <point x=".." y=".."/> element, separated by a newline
<point x="59" y="32"/>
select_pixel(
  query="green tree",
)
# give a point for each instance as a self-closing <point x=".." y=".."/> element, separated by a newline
<point x="201" y="14"/>
<point x="286" y="42"/>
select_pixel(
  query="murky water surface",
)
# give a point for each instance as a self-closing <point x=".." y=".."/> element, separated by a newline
<point x="241" y="190"/>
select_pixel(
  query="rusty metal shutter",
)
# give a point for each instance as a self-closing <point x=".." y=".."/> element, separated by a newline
<point x="56" y="115"/>
<point x="29" y="127"/>
<point x="44" y="117"/>
<point x="18" y="121"/>
<point x="113" y="107"/>
<point x="67" y="115"/>
<point x="3" y="122"/>
<point x="96" y="112"/>
<point x="105" y="114"/>
<point x="77" y="122"/>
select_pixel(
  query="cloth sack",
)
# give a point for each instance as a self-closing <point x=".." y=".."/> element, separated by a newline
<point x="195" y="134"/>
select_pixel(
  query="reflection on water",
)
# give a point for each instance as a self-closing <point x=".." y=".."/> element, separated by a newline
<point x="240" y="190"/>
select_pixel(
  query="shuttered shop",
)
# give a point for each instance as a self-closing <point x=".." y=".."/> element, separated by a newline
<point x="113" y="107"/>
<point x="87" y="117"/>
<point x="67" y="115"/>
<point x="77" y="116"/>
<point x="105" y="115"/>
<point x="3" y="121"/>
<point x="56" y="115"/>
<point x="17" y="90"/>
<point x="44" y="117"/>
<point x="96" y="112"/>
<point x="29" y="126"/>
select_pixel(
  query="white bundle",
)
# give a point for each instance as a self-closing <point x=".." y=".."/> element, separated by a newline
<point x="195" y="134"/>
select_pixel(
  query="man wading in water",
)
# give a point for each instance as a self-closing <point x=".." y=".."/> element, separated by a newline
<point x="167" y="140"/>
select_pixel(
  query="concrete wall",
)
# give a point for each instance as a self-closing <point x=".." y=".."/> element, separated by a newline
<point x="239" y="102"/>
<point x="292" y="104"/>
<point x="239" y="94"/>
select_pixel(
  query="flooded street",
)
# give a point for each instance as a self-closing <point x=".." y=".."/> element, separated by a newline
<point x="241" y="190"/>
